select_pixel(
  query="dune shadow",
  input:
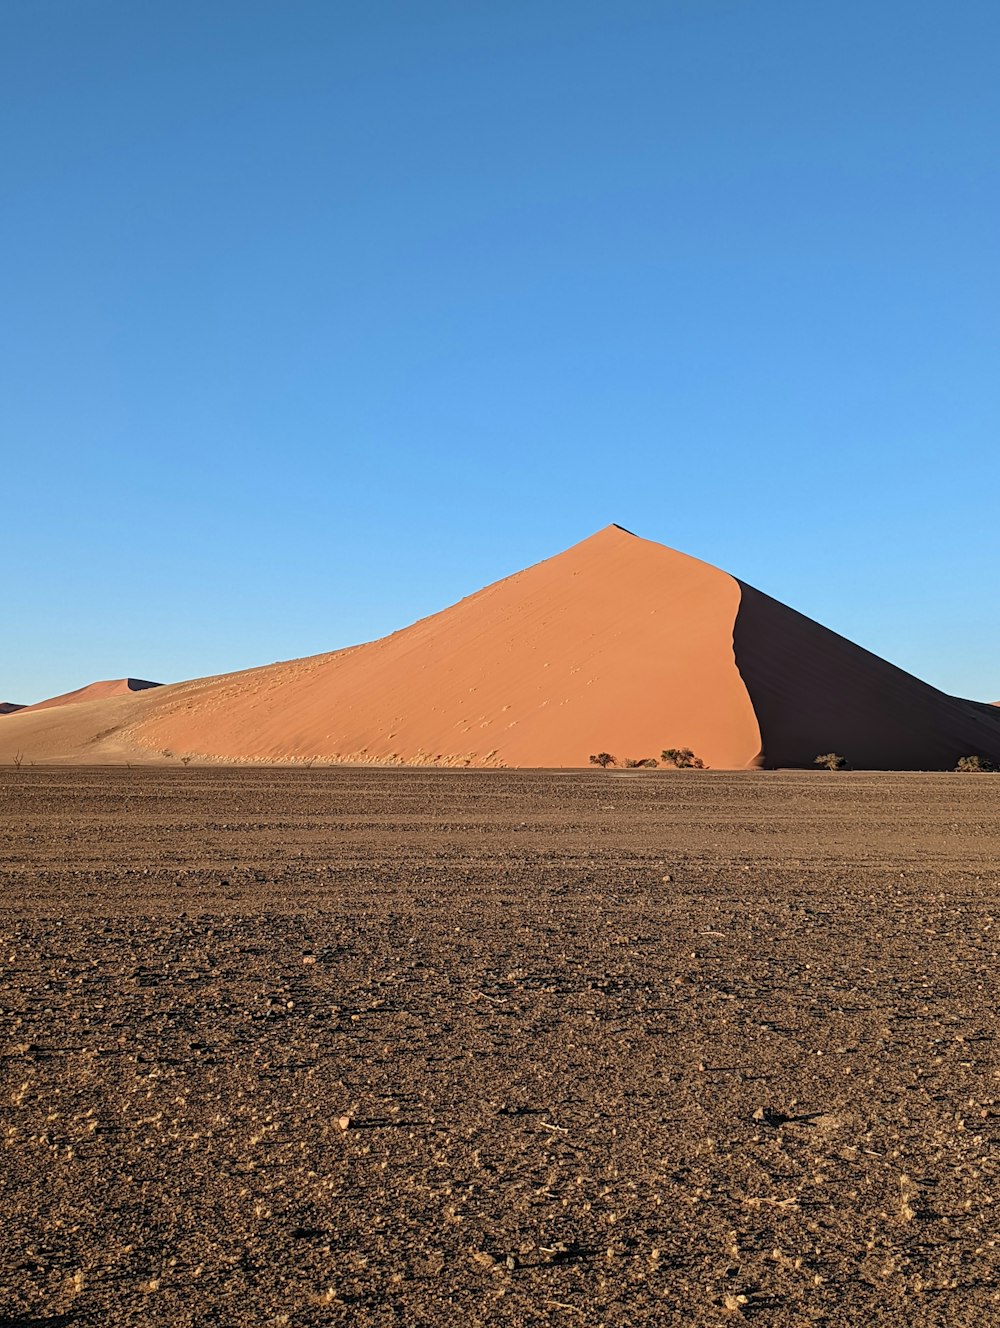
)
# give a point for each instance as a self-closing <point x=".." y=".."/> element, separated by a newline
<point x="814" y="691"/>
<point x="140" y="684"/>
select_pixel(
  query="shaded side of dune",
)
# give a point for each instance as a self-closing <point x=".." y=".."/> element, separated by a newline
<point x="814" y="692"/>
<point x="9" y="707"/>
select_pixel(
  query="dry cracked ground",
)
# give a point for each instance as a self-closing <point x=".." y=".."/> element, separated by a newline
<point x="498" y="1048"/>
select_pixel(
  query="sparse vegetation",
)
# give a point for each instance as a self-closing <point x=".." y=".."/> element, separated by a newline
<point x="831" y="761"/>
<point x="18" y="758"/>
<point x="682" y="758"/>
<point x="185" y="760"/>
<point x="643" y="763"/>
<point x="603" y="759"/>
<point x="969" y="764"/>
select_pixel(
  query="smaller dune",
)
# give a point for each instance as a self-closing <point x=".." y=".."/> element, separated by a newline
<point x="8" y="707"/>
<point x="95" y="691"/>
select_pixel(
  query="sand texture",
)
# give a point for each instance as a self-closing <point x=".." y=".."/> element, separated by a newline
<point x="642" y="1051"/>
<point x="618" y="645"/>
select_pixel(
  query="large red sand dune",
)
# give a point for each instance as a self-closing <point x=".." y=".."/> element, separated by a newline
<point x="619" y="644"/>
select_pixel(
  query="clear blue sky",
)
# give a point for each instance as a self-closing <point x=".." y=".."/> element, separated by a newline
<point x="319" y="315"/>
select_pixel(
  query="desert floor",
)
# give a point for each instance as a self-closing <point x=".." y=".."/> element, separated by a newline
<point x="615" y="1049"/>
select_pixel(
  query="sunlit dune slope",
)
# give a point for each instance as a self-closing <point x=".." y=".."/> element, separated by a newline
<point x="89" y="733"/>
<point x="618" y="644"/>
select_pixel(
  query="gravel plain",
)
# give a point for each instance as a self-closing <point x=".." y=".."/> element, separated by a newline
<point x="404" y="1047"/>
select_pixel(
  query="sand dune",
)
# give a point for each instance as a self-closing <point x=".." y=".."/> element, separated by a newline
<point x="94" y="691"/>
<point x="618" y="644"/>
<point x="9" y="707"/>
<point x="813" y="691"/>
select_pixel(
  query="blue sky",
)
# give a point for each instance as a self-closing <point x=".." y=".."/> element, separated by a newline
<point x="318" y="316"/>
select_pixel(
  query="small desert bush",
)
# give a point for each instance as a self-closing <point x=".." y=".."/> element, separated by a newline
<point x="831" y="761"/>
<point x="642" y="763"/>
<point x="681" y="758"/>
<point x="975" y="763"/>
<point x="603" y="759"/>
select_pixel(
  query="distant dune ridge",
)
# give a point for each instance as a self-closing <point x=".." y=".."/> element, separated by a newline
<point x="9" y="707"/>
<point x="618" y="644"/>
<point x="94" y="691"/>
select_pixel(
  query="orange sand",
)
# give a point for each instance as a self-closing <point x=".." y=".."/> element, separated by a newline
<point x="616" y="645"/>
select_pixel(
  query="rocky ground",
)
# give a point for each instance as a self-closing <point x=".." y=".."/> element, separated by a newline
<point x="498" y="1048"/>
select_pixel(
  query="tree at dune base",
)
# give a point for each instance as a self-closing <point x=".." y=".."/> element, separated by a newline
<point x="831" y="761"/>
<point x="682" y="758"/>
<point x="975" y="764"/>
<point x="603" y="759"/>
<point x="642" y="763"/>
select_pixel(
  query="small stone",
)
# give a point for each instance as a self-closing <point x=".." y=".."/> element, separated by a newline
<point x="667" y="877"/>
<point x="345" y="1122"/>
<point x="770" y="1117"/>
<point x="309" y="959"/>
